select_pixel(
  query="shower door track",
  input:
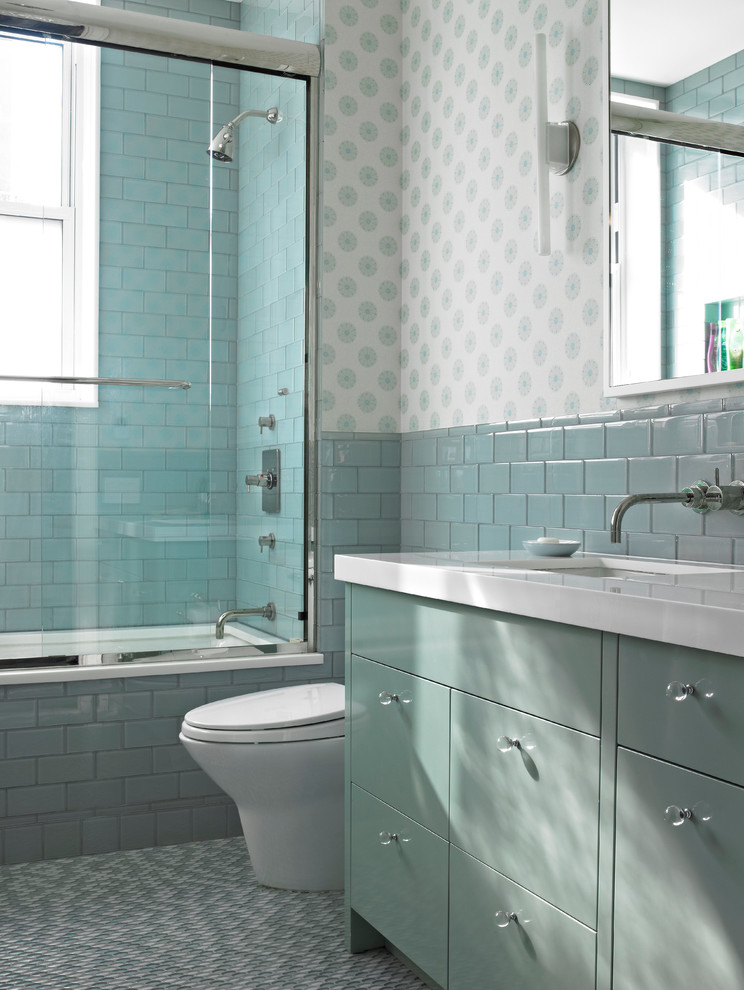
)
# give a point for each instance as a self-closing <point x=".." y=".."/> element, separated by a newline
<point x="70" y="380"/>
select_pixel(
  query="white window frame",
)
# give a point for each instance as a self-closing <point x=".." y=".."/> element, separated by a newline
<point x="79" y="214"/>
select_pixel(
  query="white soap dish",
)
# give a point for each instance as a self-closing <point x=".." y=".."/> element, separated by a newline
<point x="561" y="548"/>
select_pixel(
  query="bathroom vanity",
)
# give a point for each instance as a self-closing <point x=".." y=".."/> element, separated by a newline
<point x="538" y="800"/>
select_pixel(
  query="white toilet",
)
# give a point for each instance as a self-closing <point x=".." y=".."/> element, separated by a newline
<point x="279" y="754"/>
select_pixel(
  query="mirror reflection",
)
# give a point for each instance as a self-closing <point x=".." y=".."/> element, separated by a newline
<point x="677" y="205"/>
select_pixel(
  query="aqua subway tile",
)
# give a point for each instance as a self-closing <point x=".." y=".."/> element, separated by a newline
<point x="100" y="835"/>
<point x="675" y="518"/>
<point x="493" y="478"/>
<point x="62" y="840"/>
<point x="34" y="742"/>
<point x="510" y="446"/>
<point x="450" y="508"/>
<point x="544" y="445"/>
<point x="124" y="763"/>
<point x="478" y="448"/>
<point x="178" y="702"/>
<point x="356" y="506"/>
<point x="17" y="773"/>
<point x="724" y="432"/>
<point x="380" y="531"/>
<point x="584" y="511"/>
<point x="118" y="706"/>
<point x="653" y="545"/>
<point x="629" y="439"/>
<point x="545" y="510"/>
<point x="138" y="831"/>
<point x="677" y="435"/>
<point x="173" y="827"/>
<point x="509" y="510"/>
<point x="156" y="787"/>
<point x="564" y="477"/>
<point x="450" y="450"/>
<point x="518" y="534"/>
<point x="379" y="479"/>
<point x="64" y="711"/>
<point x="652" y="474"/>
<point x="464" y="478"/>
<point x="36" y="800"/>
<point x="17" y="714"/>
<point x="196" y="784"/>
<point x="60" y="769"/>
<point x="493" y="537"/>
<point x="91" y="794"/>
<point x="437" y="479"/>
<point x="479" y="508"/>
<point x="463" y="536"/>
<point x="605" y="476"/>
<point x="527" y="477"/>
<point x="436" y="535"/>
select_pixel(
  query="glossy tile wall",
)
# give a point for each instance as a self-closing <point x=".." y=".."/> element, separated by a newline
<point x="489" y="488"/>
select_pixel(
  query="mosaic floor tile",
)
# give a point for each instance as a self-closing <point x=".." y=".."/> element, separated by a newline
<point x="180" y="917"/>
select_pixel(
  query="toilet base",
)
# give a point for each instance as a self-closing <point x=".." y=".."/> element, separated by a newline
<point x="290" y="798"/>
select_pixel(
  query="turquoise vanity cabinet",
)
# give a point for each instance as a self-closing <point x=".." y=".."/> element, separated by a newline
<point x="473" y="792"/>
<point x="536" y="805"/>
<point x="679" y="885"/>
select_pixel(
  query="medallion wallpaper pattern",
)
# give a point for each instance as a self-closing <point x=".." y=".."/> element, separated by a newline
<point x="438" y="310"/>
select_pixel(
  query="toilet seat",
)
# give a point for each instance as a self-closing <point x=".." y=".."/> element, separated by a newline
<point x="287" y="714"/>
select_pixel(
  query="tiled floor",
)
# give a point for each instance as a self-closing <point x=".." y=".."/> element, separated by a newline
<point x="184" y="917"/>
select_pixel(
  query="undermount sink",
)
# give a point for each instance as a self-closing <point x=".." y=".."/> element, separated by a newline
<point x="626" y="568"/>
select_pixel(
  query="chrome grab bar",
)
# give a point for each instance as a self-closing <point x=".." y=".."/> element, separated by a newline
<point x="72" y="380"/>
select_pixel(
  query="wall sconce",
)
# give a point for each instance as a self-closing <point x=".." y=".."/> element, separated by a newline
<point x="557" y="147"/>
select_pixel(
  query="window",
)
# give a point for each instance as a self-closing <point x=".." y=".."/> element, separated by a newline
<point x="48" y="217"/>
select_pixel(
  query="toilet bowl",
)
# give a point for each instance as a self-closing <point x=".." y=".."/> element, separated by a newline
<point x="279" y="754"/>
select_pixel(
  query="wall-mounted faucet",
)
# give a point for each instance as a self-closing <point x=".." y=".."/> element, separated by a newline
<point x="700" y="497"/>
<point x="268" y="421"/>
<point x="266" y="611"/>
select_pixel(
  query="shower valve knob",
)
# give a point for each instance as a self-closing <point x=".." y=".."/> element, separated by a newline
<point x="267" y="480"/>
<point x="266" y="421"/>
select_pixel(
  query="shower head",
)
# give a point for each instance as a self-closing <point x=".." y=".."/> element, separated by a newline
<point x="221" y="147"/>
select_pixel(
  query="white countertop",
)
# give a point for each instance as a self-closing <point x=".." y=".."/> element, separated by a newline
<point x="702" y="606"/>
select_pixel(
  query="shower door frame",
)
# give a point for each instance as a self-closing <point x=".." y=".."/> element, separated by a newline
<point x="109" y="27"/>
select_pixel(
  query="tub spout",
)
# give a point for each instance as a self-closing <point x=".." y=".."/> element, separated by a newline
<point x="266" y="611"/>
<point x="685" y="497"/>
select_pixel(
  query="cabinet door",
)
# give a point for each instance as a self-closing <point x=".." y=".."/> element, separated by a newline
<point x="540" y="949"/>
<point x="703" y="729"/>
<point x="524" y="799"/>
<point x="545" y="668"/>
<point x="399" y="882"/>
<point x="679" y="889"/>
<point x="399" y="728"/>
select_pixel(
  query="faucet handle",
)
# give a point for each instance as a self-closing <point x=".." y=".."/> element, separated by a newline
<point x="698" y="497"/>
<point x="729" y="497"/>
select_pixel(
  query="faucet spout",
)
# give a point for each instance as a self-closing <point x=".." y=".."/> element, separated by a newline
<point x="266" y="611"/>
<point x="630" y="500"/>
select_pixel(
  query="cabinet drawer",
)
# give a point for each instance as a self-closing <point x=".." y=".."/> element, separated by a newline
<point x="678" y="893"/>
<point x="542" y="948"/>
<point x="400" y="887"/>
<point x="530" y="811"/>
<point x="545" y="668"/>
<point x="704" y="733"/>
<point x="400" y="741"/>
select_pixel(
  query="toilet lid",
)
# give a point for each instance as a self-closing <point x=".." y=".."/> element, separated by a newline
<point x="301" y="704"/>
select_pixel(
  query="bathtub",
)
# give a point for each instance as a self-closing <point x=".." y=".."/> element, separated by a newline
<point x="98" y="653"/>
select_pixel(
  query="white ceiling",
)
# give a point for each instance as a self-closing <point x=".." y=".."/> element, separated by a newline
<point x="663" y="41"/>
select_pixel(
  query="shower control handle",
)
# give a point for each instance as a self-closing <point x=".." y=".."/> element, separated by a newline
<point x="267" y="541"/>
<point x="268" y="480"/>
<point x="266" y="421"/>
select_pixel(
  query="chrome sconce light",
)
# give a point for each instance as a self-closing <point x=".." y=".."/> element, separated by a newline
<point x="557" y="147"/>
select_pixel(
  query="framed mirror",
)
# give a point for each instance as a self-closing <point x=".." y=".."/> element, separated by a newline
<point x="677" y="196"/>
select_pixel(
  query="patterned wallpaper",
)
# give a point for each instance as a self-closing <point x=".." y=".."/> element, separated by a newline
<point x="360" y="345"/>
<point x="488" y="329"/>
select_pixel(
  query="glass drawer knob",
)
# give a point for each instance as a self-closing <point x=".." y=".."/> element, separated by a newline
<point x="505" y="743"/>
<point x="676" y="816"/>
<point x="388" y="697"/>
<point x="387" y="837"/>
<point x="679" y="691"/>
<point x="504" y="918"/>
